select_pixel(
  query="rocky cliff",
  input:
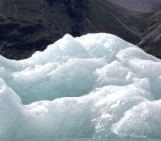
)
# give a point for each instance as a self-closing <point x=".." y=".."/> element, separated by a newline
<point x="30" y="25"/>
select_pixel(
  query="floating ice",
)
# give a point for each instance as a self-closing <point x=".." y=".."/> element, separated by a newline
<point x="97" y="86"/>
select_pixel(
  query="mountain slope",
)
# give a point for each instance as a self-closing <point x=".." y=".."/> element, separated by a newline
<point x="27" y="26"/>
<point x="144" y="26"/>
<point x="143" y="6"/>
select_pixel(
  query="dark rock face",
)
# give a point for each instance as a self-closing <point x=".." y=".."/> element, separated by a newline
<point x="30" y="25"/>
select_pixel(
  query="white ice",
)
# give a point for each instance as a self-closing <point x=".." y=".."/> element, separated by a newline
<point x="97" y="86"/>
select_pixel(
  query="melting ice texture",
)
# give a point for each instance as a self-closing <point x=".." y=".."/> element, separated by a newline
<point x="97" y="86"/>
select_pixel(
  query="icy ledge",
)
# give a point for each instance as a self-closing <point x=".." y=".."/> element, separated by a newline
<point x="97" y="86"/>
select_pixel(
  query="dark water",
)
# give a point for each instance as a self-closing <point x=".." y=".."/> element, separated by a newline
<point x="96" y="140"/>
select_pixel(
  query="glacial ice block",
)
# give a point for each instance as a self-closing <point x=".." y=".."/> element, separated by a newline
<point x="97" y="86"/>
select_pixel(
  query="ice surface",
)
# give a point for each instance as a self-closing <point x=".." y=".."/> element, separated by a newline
<point x="97" y="86"/>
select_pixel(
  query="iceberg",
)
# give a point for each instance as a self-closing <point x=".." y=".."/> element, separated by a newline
<point x="97" y="87"/>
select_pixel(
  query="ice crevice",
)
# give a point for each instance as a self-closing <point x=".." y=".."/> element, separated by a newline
<point x="96" y="86"/>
